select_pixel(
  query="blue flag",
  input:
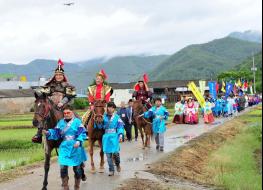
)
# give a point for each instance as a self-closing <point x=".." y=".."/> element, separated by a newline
<point x="212" y="89"/>
<point x="229" y="88"/>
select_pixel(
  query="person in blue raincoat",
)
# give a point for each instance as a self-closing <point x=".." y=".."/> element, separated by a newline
<point x="113" y="126"/>
<point x="71" y="151"/>
<point x="160" y="115"/>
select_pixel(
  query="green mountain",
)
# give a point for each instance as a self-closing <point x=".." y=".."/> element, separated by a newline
<point x="130" y="68"/>
<point x="204" y="61"/>
<point x="248" y="63"/>
<point x="81" y="74"/>
<point x="118" y="69"/>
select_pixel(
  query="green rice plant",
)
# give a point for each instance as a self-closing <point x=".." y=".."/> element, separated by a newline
<point x="234" y="165"/>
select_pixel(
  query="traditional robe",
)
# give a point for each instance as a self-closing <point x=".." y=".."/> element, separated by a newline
<point x="160" y="115"/>
<point x="113" y="129"/>
<point x="70" y="132"/>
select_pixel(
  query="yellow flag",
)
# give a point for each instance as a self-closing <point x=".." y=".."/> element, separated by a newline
<point x="239" y="83"/>
<point x="23" y="78"/>
<point x="202" y="87"/>
<point x="197" y="94"/>
<point x="223" y="86"/>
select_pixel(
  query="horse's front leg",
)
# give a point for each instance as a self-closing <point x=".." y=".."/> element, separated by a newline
<point x="91" y="144"/>
<point x="142" y="136"/>
<point x="101" y="157"/>
<point x="46" y="168"/>
<point x="148" y="136"/>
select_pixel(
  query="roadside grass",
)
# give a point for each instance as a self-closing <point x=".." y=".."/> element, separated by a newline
<point x="233" y="165"/>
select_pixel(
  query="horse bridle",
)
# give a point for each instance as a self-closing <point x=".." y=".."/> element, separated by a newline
<point x="95" y="114"/>
<point x="46" y="112"/>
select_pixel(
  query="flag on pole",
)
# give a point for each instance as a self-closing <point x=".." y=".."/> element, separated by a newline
<point x="250" y="88"/>
<point x="212" y="89"/>
<point x="229" y="88"/>
<point x="217" y="87"/>
<point x="245" y="86"/>
<point x="197" y="94"/>
<point x="239" y="84"/>
<point x="202" y="87"/>
<point x="223" y="87"/>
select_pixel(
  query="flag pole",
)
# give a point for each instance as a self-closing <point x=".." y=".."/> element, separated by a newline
<point x="254" y="73"/>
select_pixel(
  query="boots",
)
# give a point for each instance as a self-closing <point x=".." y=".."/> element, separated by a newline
<point x="77" y="184"/>
<point x="65" y="183"/>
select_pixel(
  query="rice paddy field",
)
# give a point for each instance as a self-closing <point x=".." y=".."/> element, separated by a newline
<point x="16" y="148"/>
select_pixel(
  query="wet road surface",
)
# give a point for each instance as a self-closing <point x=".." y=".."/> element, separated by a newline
<point x="134" y="160"/>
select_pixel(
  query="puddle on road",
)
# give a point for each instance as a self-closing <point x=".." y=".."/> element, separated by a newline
<point x="140" y="157"/>
<point x="216" y="123"/>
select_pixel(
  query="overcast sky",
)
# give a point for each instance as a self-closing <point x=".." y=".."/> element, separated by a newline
<point x="31" y="29"/>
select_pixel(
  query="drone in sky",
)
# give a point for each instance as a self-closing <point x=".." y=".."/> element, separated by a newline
<point x="69" y="4"/>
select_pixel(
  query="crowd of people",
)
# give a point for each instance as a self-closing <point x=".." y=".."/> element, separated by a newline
<point x="188" y="111"/>
<point x="72" y="130"/>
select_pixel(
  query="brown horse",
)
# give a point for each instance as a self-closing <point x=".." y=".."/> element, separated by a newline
<point x="144" y="125"/>
<point x="95" y="132"/>
<point x="46" y="117"/>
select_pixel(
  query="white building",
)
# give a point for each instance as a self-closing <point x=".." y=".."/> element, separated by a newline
<point x="13" y="85"/>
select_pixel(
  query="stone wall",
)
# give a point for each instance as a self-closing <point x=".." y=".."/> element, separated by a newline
<point x="16" y="105"/>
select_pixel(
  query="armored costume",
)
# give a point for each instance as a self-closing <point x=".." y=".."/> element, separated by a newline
<point x="60" y="92"/>
<point x="101" y="91"/>
<point x="142" y="92"/>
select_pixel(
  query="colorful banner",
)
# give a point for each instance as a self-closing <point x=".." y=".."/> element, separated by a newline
<point x="212" y="89"/>
<point x="245" y="86"/>
<point x="217" y="87"/>
<point x="197" y="94"/>
<point x="202" y="87"/>
<point x="239" y="84"/>
<point x="229" y="89"/>
<point x="223" y="86"/>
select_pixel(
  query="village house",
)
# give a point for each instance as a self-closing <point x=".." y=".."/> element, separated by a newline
<point x="171" y="90"/>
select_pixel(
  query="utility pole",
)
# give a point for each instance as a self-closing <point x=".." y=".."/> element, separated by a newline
<point x="254" y="69"/>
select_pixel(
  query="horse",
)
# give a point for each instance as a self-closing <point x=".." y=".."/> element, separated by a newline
<point x="46" y="117"/>
<point x="95" y="132"/>
<point x="144" y="125"/>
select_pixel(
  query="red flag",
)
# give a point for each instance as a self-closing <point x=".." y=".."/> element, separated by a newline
<point x="60" y="63"/>
<point x="145" y="78"/>
<point x="245" y="84"/>
<point x="217" y="87"/>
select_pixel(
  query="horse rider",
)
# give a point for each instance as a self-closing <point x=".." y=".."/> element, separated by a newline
<point x="59" y="91"/>
<point x="71" y="150"/>
<point x="142" y="92"/>
<point x="100" y="90"/>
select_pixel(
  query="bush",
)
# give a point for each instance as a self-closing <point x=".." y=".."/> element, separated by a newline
<point x="80" y="103"/>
